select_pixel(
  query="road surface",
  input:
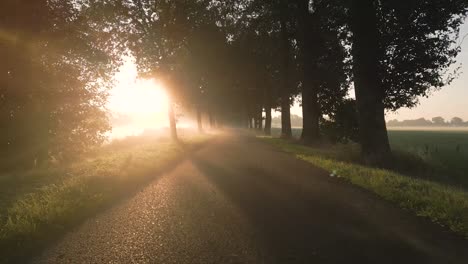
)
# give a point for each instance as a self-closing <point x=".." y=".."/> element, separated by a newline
<point x="239" y="200"/>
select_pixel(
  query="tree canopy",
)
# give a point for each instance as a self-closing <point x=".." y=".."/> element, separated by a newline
<point x="53" y="80"/>
<point x="235" y="61"/>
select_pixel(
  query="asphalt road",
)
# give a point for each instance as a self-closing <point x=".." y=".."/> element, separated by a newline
<point x="239" y="200"/>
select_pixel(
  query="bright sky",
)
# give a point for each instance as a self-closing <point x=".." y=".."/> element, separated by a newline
<point x="139" y="104"/>
<point x="448" y="102"/>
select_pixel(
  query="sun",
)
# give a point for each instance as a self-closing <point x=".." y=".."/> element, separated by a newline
<point x="146" y="97"/>
<point x="143" y="97"/>
<point x="139" y="105"/>
<point x="136" y="104"/>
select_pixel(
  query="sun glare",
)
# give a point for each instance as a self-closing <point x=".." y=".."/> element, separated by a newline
<point x="137" y="104"/>
<point x="147" y="97"/>
<point x="143" y="98"/>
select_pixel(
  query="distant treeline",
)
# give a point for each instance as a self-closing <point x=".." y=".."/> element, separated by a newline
<point x="436" y="121"/>
<point x="296" y="121"/>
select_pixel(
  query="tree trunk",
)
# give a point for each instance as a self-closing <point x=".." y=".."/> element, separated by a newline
<point x="199" y="120"/>
<point x="268" y="106"/>
<point x="286" y="131"/>
<point x="267" y="129"/>
<point x="310" y="105"/>
<point x="368" y="87"/>
<point x="259" y="118"/>
<point x="172" y="122"/>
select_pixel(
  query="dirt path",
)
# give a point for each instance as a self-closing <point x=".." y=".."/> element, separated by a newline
<point x="239" y="200"/>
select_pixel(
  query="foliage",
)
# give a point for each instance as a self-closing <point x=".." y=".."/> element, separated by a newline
<point x="342" y="125"/>
<point x="51" y="82"/>
<point x="328" y="53"/>
<point x="418" y="46"/>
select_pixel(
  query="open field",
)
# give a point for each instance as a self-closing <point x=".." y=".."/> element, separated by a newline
<point x="37" y="205"/>
<point x="440" y="155"/>
<point x="429" y="128"/>
<point x="445" y="151"/>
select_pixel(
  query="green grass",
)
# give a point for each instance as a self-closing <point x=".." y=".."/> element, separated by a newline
<point x="440" y="156"/>
<point x="37" y="206"/>
<point x="441" y="203"/>
<point x="445" y="151"/>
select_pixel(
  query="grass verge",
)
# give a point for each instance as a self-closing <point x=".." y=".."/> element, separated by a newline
<point x="442" y="204"/>
<point x="39" y="205"/>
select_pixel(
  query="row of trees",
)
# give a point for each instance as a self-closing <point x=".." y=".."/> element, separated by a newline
<point x="245" y="57"/>
<point x="249" y="56"/>
<point x="436" y="121"/>
<point x="233" y="60"/>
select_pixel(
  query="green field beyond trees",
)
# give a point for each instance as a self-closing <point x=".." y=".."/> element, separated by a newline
<point x="438" y="155"/>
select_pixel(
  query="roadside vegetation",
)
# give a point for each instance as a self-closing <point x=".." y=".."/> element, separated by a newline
<point x="434" y="155"/>
<point x="39" y="204"/>
<point x="431" y="196"/>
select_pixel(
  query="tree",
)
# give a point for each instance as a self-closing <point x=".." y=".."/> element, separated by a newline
<point x="323" y="54"/>
<point x="51" y="83"/>
<point x="417" y="45"/>
<point x="456" y="121"/>
<point x="369" y="90"/>
<point x="265" y="58"/>
<point x="342" y="125"/>
<point x="285" y="51"/>
<point x="410" y="45"/>
<point x="308" y="27"/>
<point x="438" y="121"/>
<point x="156" y="34"/>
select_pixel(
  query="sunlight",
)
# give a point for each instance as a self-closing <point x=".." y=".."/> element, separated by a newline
<point x="137" y="104"/>
<point x="146" y="97"/>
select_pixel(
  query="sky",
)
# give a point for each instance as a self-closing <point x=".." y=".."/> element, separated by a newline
<point x="448" y="102"/>
<point x="136" y="105"/>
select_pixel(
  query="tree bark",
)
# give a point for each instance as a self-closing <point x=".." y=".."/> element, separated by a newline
<point x="286" y="131"/>
<point x="259" y="118"/>
<point x="267" y="129"/>
<point x="368" y="87"/>
<point x="199" y="120"/>
<point x="172" y="122"/>
<point x="268" y="106"/>
<point x="310" y="105"/>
